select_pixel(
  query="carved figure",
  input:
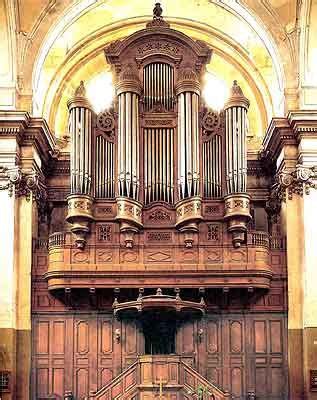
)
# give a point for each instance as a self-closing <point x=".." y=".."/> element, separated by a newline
<point x="157" y="11"/>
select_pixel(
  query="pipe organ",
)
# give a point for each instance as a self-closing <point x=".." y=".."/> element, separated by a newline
<point x="80" y="200"/>
<point x="158" y="150"/>
<point x="158" y="86"/>
<point x="160" y="143"/>
<point x="162" y="258"/>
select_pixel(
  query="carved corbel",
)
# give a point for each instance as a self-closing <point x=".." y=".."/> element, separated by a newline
<point x="129" y="214"/>
<point x="237" y="214"/>
<point x="188" y="217"/>
<point x="79" y="216"/>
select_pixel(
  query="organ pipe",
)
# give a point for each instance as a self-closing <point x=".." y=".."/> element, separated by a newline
<point x="128" y="91"/>
<point x="188" y="134"/>
<point x="80" y="127"/>
<point x="158" y="80"/>
<point x="80" y="202"/>
<point x="212" y="167"/>
<point x="129" y="210"/>
<point x="236" y="151"/>
<point x="237" y="201"/>
<point x="188" y="208"/>
<point x="104" y="168"/>
<point x="158" y="165"/>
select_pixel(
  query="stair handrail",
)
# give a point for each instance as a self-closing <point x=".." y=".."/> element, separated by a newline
<point x="113" y="382"/>
<point x="216" y="391"/>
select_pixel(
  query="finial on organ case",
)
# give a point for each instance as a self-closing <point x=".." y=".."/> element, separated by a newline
<point x="157" y="20"/>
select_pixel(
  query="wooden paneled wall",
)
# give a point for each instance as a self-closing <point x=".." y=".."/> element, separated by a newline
<point x="240" y="353"/>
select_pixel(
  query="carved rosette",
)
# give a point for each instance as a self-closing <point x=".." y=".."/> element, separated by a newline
<point x="237" y="214"/>
<point x="188" y="216"/>
<point x="79" y="216"/>
<point x="129" y="214"/>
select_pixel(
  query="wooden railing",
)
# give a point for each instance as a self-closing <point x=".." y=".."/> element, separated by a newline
<point x="259" y="238"/>
<point x="126" y="385"/>
<point x="56" y="239"/>
<point x="197" y="387"/>
<point x="123" y="386"/>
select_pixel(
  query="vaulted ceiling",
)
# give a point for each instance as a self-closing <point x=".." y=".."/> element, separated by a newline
<point x="59" y="42"/>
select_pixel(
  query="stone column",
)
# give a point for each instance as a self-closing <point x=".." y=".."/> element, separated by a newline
<point x="17" y="228"/>
<point x="306" y="173"/>
<point x="21" y="191"/>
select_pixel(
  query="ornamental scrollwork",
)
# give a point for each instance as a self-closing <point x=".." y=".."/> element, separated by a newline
<point x="105" y="121"/>
<point x="22" y="184"/>
<point x="287" y="183"/>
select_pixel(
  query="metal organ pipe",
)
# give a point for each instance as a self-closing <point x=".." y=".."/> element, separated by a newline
<point x="128" y="91"/>
<point x="79" y="210"/>
<point x="80" y="127"/>
<point x="236" y="152"/>
<point x="104" y="168"/>
<point x="188" y="134"/>
<point x="158" y="81"/>
<point x="158" y="165"/>
<point x="212" y="167"/>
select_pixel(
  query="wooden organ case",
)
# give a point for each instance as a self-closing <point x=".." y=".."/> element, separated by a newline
<point x="159" y="234"/>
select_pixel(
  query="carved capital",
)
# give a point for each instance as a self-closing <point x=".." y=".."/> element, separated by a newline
<point x="287" y="183"/>
<point x="23" y="183"/>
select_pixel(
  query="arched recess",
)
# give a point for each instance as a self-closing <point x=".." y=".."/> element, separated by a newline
<point x="308" y="55"/>
<point x="8" y="82"/>
<point x="73" y="48"/>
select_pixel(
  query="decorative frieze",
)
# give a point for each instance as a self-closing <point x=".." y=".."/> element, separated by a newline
<point x="159" y="216"/>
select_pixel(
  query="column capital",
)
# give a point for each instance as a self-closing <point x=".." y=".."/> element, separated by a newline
<point x="23" y="183"/>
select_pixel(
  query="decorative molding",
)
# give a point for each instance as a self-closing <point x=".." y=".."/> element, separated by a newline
<point x="104" y="233"/>
<point x="105" y="121"/>
<point x="287" y="183"/>
<point x="159" y="236"/>
<point x="159" y="216"/>
<point x="23" y="183"/>
<point x="212" y="123"/>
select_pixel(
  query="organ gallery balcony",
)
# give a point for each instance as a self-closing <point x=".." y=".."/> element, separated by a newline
<point x="160" y="259"/>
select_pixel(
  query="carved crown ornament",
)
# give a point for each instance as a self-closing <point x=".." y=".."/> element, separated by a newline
<point x="23" y="183"/>
<point x="287" y="183"/>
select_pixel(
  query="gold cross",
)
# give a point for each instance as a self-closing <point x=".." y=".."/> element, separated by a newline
<point x="161" y="383"/>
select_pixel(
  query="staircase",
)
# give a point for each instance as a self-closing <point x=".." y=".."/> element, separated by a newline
<point x="195" y="386"/>
<point x="159" y="377"/>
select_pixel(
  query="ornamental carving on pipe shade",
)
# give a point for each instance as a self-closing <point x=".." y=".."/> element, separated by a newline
<point x="105" y="121"/>
<point x="212" y="123"/>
